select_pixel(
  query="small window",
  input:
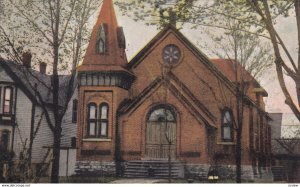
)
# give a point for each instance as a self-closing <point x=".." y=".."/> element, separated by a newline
<point x="74" y="111"/>
<point x="227" y="125"/>
<point x="73" y="142"/>
<point x="4" y="143"/>
<point x="7" y="100"/>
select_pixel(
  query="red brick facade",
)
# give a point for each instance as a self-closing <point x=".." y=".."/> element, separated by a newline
<point x="195" y="88"/>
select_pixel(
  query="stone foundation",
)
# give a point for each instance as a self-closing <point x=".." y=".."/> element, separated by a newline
<point x="191" y="171"/>
<point x="196" y="171"/>
<point x="225" y="172"/>
<point x="95" y="168"/>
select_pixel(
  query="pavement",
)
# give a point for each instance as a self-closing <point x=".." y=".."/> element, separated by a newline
<point x="139" y="181"/>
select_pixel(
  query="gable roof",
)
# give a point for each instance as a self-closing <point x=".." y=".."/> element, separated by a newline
<point x="28" y="80"/>
<point x="228" y="68"/>
<point x="161" y="35"/>
<point x="136" y="60"/>
<point x="196" y="108"/>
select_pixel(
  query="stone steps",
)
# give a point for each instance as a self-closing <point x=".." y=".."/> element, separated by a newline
<point x="155" y="169"/>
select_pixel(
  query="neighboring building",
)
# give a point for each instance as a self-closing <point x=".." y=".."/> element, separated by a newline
<point x="22" y="119"/>
<point x="169" y="100"/>
<point x="285" y="128"/>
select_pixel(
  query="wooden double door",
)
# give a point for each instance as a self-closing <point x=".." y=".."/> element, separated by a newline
<point x="160" y="140"/>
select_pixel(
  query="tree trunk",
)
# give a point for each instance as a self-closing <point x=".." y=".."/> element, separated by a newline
<point x="241" y="90"/>
<point x="297" y="10"/>
<point x="238" y="141"/>
<point x="55" y="87"/>
<point x="56" y="156"/>
<point x="238" y="157"/>
<point x="169" y="162"/>
<point x="118" y="158"/>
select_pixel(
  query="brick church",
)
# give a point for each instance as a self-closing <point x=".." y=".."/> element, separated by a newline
<point x="169" y="101"/>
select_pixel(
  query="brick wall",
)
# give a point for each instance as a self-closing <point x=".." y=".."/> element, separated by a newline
<point x="196" y="111"/>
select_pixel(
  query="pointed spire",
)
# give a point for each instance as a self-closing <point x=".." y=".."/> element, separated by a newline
<point x="107" y="42"/>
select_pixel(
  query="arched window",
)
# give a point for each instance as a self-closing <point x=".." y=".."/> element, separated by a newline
<point x="101" y="44"/>
<point x="97" y="120"/>
<point x="7" y="100"/>
<point x="227" y="125"/>
<point x="162" y="114"/>
<point x="92" y="120"/>
<point x="103" y="119"/>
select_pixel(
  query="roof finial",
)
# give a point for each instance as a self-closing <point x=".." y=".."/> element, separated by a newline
<point x="169" y="15"/>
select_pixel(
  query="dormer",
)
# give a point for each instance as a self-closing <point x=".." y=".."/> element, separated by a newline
<point x="101" y="43"/>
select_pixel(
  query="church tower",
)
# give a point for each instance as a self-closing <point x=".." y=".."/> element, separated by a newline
<point x="103" y="85"/>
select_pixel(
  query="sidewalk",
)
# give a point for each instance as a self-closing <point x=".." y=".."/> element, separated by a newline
<point x="141" y="180"/>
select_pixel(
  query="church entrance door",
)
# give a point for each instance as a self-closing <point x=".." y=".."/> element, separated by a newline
<point x="161" y="133"/>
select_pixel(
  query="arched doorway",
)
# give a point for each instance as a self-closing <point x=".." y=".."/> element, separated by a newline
<point x="161" y="133"/>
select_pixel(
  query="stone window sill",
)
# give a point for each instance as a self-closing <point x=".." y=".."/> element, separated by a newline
<point x="97" y="140"/>
<point x="226" y="143"/>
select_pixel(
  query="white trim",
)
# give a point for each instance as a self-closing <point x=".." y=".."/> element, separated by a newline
<point x="97" y="140"/>
<point x="226" y="143"/>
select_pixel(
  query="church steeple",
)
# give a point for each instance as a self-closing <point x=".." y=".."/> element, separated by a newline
<point x="107" y="43"/>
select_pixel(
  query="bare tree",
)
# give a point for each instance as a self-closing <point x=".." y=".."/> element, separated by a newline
<point x="250" y="58"/>
<point x="259" y="17"/>
<point x="55" y="31"/>
<point x="256" y="17"/>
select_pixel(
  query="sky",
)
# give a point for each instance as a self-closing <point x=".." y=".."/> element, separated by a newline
<point x="138" y="35"/>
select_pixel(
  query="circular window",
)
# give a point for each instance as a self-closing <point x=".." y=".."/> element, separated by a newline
<point x="171" y="54"/>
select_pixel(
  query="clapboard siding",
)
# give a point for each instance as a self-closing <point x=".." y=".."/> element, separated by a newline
<point x="23" y="121"/>
<point x="69" y="129"/>
<point x="44" y="137"/>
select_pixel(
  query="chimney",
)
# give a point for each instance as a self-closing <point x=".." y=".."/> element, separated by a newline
<point x="26" y="59"/>
<point x="43" y="67"/>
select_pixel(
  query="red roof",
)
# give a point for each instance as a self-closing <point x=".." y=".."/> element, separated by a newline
<point x="115" y="55"/>
<point x="228" y="68"/>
